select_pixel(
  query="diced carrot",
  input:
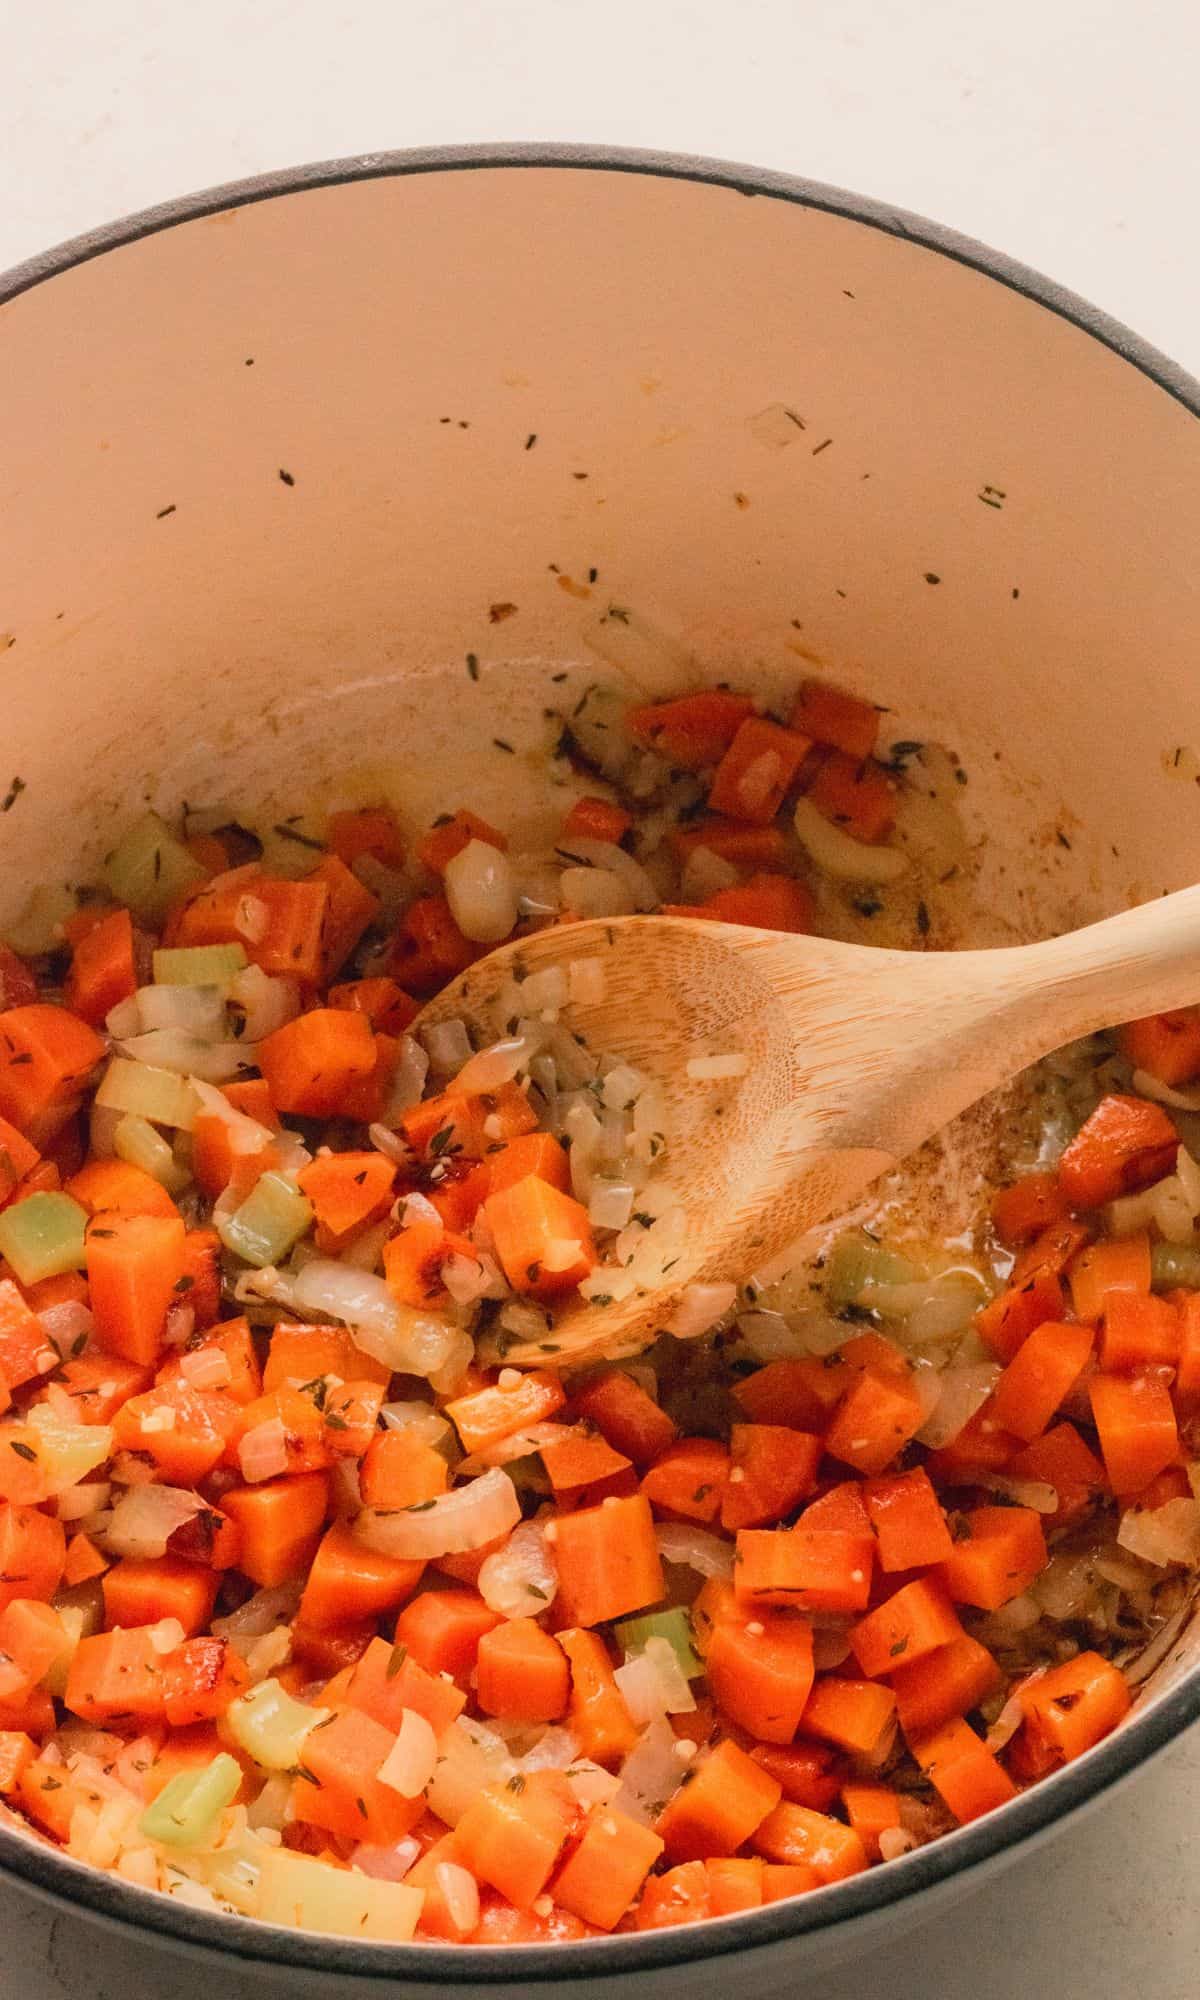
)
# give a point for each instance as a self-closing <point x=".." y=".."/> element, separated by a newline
<point x="608" y="1561"/>
<point x="17" y="1752"/>
<point x="795" y="1834"/>
<point x="693" y="730"/>
<point x="347" y="1189"/>
<point x="384" y="1002"/>
<point x="412" y="1263"/>
<point x="689" y="1478"/>
<point x="769" y="902"/>
<point x="871" y="1810"/>
<point x="536" y="1153"/>
<point x="855" y="794"/>
<point x="512" y="1837"/>
<point x="46" y="1057"/>
<point x="947" y="1682"/>
<point x="499" y="1923"/>
<point x="915" y="1620"/>
<point x="874" y="1421"/>
<point x="140" y="1590"/>
<point x="429" y="948"/>
<point x="746" y="846"/>
<point x="185" y="1431"/>
<point x="84" y="1561"/>
<point x="309" y="1062"/>
<point x="583" y="1468"/>
<point x="1140" y="1331"/>
<point x="625" y="1416"/>
<point x="232" y="1339"/>
<point x="963" y="1770"/>
<point x="681" y="1896"/>
<point x="349" y="910"/>
<point x="801" y="1394"/>
<point x="363" y="830"/>
<point x="1186" y="1388"/>
<point x="910" y="1526"/>
<point x="1026" y="1207"/>
<point x="597" y="819"/>
<point x="735" y="1882"/>
<point x="1103" y="1269"/>
<point x="1166" y="1046"/>
<point x="216" y="1164"/>
<point x="448" y="838"/>
<point x="1072" y="1707"/>
<point x="999" y="1556"/>
<point x="299" y="1354"/>
<point x="597" y="1711"/>
<point x="760" y="1670"/>
<point x="116" y="1674"/>
<point x="810" y="1569"/>
<point x="17" y="1159"/>
<point x="1064" y="1461"/>
<point x="1125" y="1144"/>
<point x="388" y="1679"/>
<point x="32" y="1638"/>
<point x="543" y="1238"/>
<point x="1138" y="1435"/>
<point x="1039" y="1377"/>
<point x="116" y="1187"/>
<point x="830" y="716"/>
<point x="486" y="1416"/>
<point x="134" y="1265"/>
<point x="102" y="970"/>
<point x="200" y="1680"/>
<point x="522" y="1673"/>
<point x="281" y="1524"/>
<point x="400" y="1470"/>
<point x="725" y="1801"/>
<point x="337" y="1786"/>
<point x="48" y="1796"/>
<point x="326" y="1650"/>
<point x="17" y="983"/>
<point x="1051" y="1253"/>
<point x="442" y="1630"/>
<point x="757" y="770"/>
<point x="1009" y="1319"/>
<point x="348" y="1580"/>
<point x="32" y="1553"/>
<point x="25" y="1350"/>
<point x="351" y="1416"/>
<point x="853" y="1714"/>
<point x="808" y="1772"/>
<point x="607" y="1867"/>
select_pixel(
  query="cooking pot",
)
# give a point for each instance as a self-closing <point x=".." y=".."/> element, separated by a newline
<point x="311" y="485"/>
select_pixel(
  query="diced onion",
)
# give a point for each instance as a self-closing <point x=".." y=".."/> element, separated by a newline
<point x="610" y="1204"/>
<point x="408" y="1082"/>
<point x="963" y="1391"/>
<point x="705" y="874"/>
<point x="262" y="1453"/>
<point x="694" y="1548"/>
<point x="266" y="1002"/>
<point x="460" y="1895"/>
<point x="246" y="1135"/>
<point x="652" y="1683"/>
<point x="520" y="1580"/>
<point x="699" y="1309"/>
<point x="481" y="892"/>
<point x="421" y="1420"/>
<point x="405" y="1340"/>
<point x="384" y="1864"/>
<point x="1163" y="1093"/>
<point x="1035" y="1493"/>
<point x="837" y="853"/>
<point x="192" y="1010"/>
<point x="615" y="861"/>
<point x="408" y="1766"/>
<point x="591" y="1783"/>
<point x="206" y="1368"/>
<point x="68" y="1327"/>
<point x="262" y="1612"/>
<point x="448" y="1046"/>
<point x="596" y="892"/>
<point x="1162" y="1535"/>
<point x="186" y="1055"/>
<point x="468" y="1517"/>
<point x="498" y="1064"/>
<point x="145" y="1518"/>
<point x="651" y="1774"/>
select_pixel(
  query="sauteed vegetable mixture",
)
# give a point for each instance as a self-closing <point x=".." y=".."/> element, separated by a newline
<point x="330" y="1595"/>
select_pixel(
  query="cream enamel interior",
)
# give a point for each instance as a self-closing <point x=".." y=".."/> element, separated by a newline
<point x="984" y="517"/>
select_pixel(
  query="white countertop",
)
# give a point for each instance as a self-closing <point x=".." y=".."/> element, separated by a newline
<point x="1060" y="131"/>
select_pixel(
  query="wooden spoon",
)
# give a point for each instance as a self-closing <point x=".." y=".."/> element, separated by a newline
<point x="853" y="1057"/>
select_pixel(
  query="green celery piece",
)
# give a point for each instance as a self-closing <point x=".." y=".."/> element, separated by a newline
<point x="273" y="1216"/>
<point x="674" y="1626"/>
<point x="271" y="1726"/>
<point x="199" y="965"/>
<point x="43" y="1236"/>
<point x="188" y="1807"/>
<point x="855" y="1262"/>
<point x="149" y="868"/>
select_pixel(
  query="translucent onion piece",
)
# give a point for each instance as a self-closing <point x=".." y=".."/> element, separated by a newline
<point x="652" y="1683"/>
<point x="448" y="1046"/>
<point x="615" y="861"/>
<point x="694" y="1548"/>
<point x="266" y="1002"/>
<point x="262" y="1612"/>
<point x="520" y="1580"/>
<point x="408" y="1766"/>
<point x="964" y="1390"/>
<point x="498" y="1064"/>
<point x="467" y="1518"/>
<point x="591" y="1783"/>
<point x="68" y="1327"/>
<point x="837" y="853"/>
<point x="246" y="1135"/>
<point x="460" y="1895"/>
<point x="596" y="892"/>
<point x="191" y="1010"/>
<point x="610" y="1204"/>
<point x="384" y="1864"/>
<point x="481" y="892"/>
<point x="408" y="1083"/>
<point x="705" y="874"/>
<point x="420" y="1419"/>
<point x="1163" y="1093"/>
<point x="1162" y="1535"/>
<point x="145" y="1518"/>
<point x="651" y="1774"/>
<point x="699" y="1309"/>
<point x="186" y="1055"/>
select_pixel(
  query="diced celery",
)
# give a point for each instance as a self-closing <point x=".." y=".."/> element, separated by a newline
<point x="150" y="868"/>
<point x="188" y="1807"/>
<point x="160" y="1095"/>
<point x="198" y="965"/>
<point x="271" y="1727"/>
<point x="137" y="1142"/>
<point x="1173" y="1264"/>
<point x="43" y="1236"/>
<point x="674" y="1626"/>
<point x="68" y="1452"/>
<point x="273" y="1216"/>
<point x="309" y="1895"/>
<point x="855" y="1262"/>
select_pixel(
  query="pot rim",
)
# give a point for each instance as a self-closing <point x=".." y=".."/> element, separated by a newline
<point x="72" y="1884"/>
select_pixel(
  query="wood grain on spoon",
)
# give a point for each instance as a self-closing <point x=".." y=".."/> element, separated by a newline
<point x="854" y="1057"/>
